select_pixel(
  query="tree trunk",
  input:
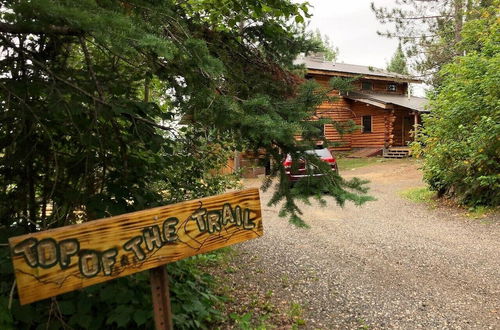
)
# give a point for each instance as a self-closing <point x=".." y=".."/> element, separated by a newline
<point x="459" y="16"/>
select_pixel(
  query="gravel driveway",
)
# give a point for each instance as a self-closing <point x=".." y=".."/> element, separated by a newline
<point x="389" y="264"/>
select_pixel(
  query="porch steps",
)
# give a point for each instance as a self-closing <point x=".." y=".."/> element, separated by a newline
<point x="365" y="152"/>
<point x="396" y="152"/>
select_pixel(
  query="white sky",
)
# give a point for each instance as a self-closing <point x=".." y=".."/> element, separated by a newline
<point x="352" y="27"/>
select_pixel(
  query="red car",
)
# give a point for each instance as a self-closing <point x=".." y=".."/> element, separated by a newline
<point x="323" y="153"/>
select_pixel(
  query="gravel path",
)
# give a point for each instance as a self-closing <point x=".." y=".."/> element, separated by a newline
<point x="389" y="264"/>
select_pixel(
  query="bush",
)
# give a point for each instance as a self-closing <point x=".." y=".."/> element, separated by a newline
<point x="461" y="134"/>
<point x="122" y="303"/>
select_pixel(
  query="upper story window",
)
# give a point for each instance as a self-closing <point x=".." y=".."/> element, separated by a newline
<point x="392" y="87"/>
<point x="366" y="86"/>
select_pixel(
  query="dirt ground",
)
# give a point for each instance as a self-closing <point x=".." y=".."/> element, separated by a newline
<point x="391" y="263"/>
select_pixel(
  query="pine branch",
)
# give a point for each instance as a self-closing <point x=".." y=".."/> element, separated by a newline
<point x="49" y="29"/>
<point x="91" y="67"/>
<point x="395" y="19"/>
<point x="77" y="88"/>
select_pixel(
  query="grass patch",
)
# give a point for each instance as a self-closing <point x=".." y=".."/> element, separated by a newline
<point x="420" y="195"/>
<point x="363" y="325"/>
<point x="426" y="196"/>
<point x="295" y="313"/>
<point x="246" y="322"/>
<point x="346" y="164"/>
<point x="479" y="212"/>
<point x="214" y="258"/>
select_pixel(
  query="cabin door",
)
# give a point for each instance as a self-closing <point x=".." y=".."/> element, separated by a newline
<point x="407" y="127"/>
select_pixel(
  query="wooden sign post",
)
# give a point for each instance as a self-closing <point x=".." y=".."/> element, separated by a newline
<point x="64" y="259"/>
<point x="160" y="294"/>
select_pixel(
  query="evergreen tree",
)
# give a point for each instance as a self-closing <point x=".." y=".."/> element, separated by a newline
<point x="429" y="30"/>
<point x="84" y="67"/>
<point x="329" y="51"/>
<point x="92" y="93"/>
<point x="398" y="62"/>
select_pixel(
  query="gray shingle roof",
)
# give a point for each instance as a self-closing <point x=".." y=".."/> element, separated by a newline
<point x="414" y="103"/>
<point x="316" y="63"/>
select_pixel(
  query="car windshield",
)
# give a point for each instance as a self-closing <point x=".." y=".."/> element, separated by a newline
<point x="321" y="153"/>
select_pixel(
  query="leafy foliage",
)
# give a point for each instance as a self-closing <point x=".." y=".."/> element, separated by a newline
<point x="120" y="304"/>
<point x="109" y="107"/>
<point x="460" y="136"/>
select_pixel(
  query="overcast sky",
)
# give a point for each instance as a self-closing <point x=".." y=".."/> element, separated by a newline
<point x="352" y="27"/>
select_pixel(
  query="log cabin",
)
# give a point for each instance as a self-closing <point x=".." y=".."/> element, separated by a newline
<point x="380" y="104"/>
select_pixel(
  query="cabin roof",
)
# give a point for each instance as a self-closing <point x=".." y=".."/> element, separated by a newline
<point x="313" y="63"/>
<point x="387" y="101"/>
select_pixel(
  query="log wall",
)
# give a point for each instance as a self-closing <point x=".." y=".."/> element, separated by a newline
<point x="377" y="137"/>
<point x="386" y="124"/>
<point x="381" y="86"/>
<point x="338" y="111"/>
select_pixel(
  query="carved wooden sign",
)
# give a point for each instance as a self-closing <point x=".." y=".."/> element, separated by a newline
<point x="64" y="259"/>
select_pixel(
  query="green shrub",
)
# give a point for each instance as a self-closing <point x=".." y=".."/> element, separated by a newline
<point x="122" y="303"/>
<point x="461" y="135"/>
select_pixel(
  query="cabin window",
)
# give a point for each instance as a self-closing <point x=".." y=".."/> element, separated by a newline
<point x="367" y="124"/>
<point x="366" y="86"/>
<point x="392" y="87"/>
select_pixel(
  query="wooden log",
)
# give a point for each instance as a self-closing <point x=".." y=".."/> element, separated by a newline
<point x="64" y="259"/>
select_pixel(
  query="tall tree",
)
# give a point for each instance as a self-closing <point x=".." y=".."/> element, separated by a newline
<point x="91" y="95"/>
<point x="398" y="62"/>
<point x="330" y="52"/>
<point x="429" y="30"/>
<point x="74" y="75"/>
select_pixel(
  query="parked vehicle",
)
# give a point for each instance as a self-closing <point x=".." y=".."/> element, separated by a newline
<point x="296" y="173"/>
